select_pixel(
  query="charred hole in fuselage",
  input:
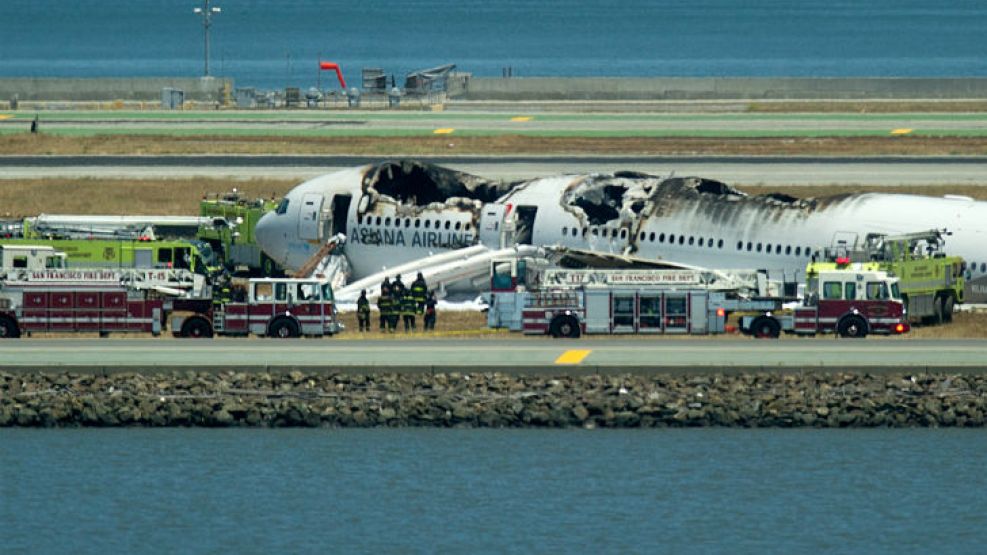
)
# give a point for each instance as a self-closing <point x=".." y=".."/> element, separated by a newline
<point x="601" y="204"/>
<point x="415" y="183"/>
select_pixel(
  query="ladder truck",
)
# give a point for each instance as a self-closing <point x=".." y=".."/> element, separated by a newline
<point x="114" y="301"/>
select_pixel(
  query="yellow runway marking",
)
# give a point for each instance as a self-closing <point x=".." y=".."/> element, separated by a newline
<point x="6" y="116"/>
<point x="902" y="131"/>
<point x="574" y="356"/>
<point x="521" y="118"/>
<point x="444" y="131"/>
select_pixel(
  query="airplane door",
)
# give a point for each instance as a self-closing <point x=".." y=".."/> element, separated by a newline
<point x="340" y="212"/>
<point x="495" y="232"/>
<point x="308" y="222"/>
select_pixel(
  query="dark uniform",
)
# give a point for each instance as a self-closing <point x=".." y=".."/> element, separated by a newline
<point x="408" y="309"/>
<point x="363" y="311"/>
<point x="419" y="289"/>
<point x="430" y="312"/>
<point x="383" y="304"/>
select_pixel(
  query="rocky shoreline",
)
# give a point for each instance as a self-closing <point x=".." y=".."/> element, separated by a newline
<point x="461" y="399"/>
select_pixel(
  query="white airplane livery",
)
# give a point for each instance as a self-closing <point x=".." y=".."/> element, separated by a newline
<point x="397" y="212"/>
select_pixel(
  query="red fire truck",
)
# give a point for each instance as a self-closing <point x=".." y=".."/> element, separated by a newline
<point x="112" y="301"/>
<point x="272" y="307"/>
<point x="851" y="304"/>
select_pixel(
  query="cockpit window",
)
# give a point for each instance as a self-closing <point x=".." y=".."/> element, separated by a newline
<point x="282" y="207"/>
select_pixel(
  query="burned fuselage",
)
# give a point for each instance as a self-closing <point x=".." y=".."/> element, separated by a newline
<point x="400" y="211"/>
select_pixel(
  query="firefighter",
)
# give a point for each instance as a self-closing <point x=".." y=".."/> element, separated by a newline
<point x="398" y="287"/>
<point x="408" y="309"/>
<point x="384" y="304"/>
<point x="419" y="289"/>
<point x="363" y="311"/>
<point x="430" y="311"/>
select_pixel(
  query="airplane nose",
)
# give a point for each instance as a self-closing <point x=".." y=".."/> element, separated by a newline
<point x="264" y="233"/>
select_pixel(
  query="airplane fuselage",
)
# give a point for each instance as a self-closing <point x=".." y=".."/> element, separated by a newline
<point x="684" y="220"/>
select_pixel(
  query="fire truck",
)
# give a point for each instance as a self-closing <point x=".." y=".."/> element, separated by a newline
<point x="850" y="304"/>
<point x="113" y="301"/>
<point x="572" y="302"/>
<point x="275" y="307"/>
<point x="235" y="244"/>
<point x="931" y="283"/>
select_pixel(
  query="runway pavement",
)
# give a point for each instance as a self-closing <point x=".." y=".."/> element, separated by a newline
<point x="740" y="170"/>
<point x="516" y="354"/>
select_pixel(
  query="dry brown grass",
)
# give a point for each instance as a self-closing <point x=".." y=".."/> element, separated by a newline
<point x="27" y="144"/>
<point x="28" y="197"/>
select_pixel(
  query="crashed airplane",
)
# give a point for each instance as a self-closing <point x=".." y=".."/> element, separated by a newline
<point x="397" y="212"/>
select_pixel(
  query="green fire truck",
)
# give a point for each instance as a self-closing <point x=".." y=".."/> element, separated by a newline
<point x="931" y="283"/>
<point x="235" y="244"/>
<point x="193" y="255"/>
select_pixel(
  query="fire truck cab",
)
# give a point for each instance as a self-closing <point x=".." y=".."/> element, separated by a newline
<point x="271" y="307"/>
<point x="850" y="304"/>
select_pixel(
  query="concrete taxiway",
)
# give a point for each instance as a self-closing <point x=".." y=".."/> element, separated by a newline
<point x="514" y="355"/>
<point x="739" y="170"/>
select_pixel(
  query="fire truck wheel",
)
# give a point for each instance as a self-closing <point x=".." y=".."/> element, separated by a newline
<point x="564" y="326"/>
<point x="852" y="326"/>
<point x="948" y="304"/>
<point x="8" y="329"/>
<point x="267" y="267"/>
<point x="283" y="328"/>
<point x="765" y="328"/>
<point x="196" y="328"/>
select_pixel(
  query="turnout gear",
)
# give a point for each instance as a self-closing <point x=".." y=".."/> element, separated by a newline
<point x="363" y="311"/>
<point x="408" y="309"/>
<point x="419" y="289"/>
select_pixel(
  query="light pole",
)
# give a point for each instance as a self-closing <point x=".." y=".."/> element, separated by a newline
<point x="206" y="12"/>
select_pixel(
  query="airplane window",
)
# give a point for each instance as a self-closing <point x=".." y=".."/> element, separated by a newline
<point x="596" y="231"/>
<point x="428" y="224"/>
<point x="613" y="233"/>
<point x="798" y="251"/>
<point x="387" y="221"/>
<point x="565" y="231"/>
<point x="983" y="267"/>
<point x="808" y="251"/>
<point x="681" y="239"/>
<point x="700" y="241"/>
<point x="282" y="207"/>
<point x="740" y="245"/>
<point x="623" y="234"/>
<point x="767" y="248"/>
<point x="438" y="224"/>
<point x="788" y="249"/>
<point x="661" y="237"/>
<point x="749" y="246"/>
<point x="759" y="247"/>
<point x="585" y="229"/>
<point x="378" y="220"/>
<point x="458" y="225"/>
<point x="447" y="224"/>
<point x="418" y="223"/>
<point x="466" y="227"/>
<point x="643" y="235"/>
<point x="691" y="240"/>
<point x="671" y="238"/>
<point x="407" y="222"/>
<point x="777" y="249"/>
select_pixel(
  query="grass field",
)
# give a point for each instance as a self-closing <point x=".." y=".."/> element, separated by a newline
<point x="30" y="197"/>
